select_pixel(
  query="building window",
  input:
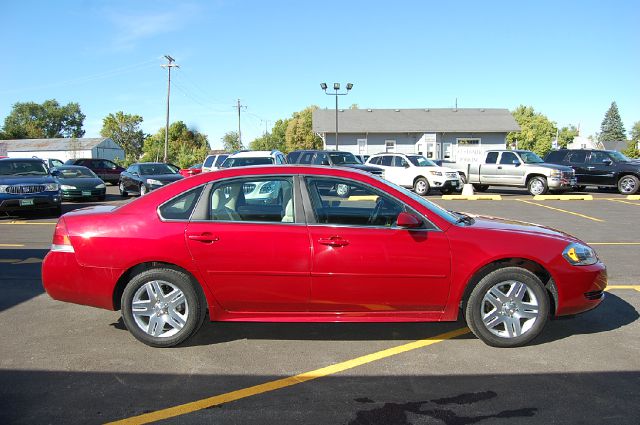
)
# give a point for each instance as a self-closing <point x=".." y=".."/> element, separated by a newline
<point x="362" y="146"/>
<point x="389" y="145"/>
<point x="468" y="141"/>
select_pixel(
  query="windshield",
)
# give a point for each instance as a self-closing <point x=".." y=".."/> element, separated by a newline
<point x="23" y="168"/>
<point x="75" y="173"/>
<point x="618" y="157"/>
<point x="421" y="161"/>
<point x="339" y="158"/>
<point x="530" y="157"/>
<point x="243" y="162"/>
<point x="156" y="169"/>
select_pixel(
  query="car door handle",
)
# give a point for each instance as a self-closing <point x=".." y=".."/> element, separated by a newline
<point x="590" y="168"/>
<point x="500" y="168"/>
<point x="203" y="237"/>
<point x="333" y="241"/>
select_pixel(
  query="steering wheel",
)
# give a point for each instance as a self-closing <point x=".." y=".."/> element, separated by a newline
<point x="373" y="217"/>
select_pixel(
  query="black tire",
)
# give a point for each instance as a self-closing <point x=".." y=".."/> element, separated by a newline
<point x="122" y="190"/>
<point x="580" y="188"/>
<point x="102" y="197"/>
<point x="56" y="211"/>
<point x="507" y="328"/>
<point x="537" y="185"/>
<point x="480" y="187"/>
<point x="628" y="185"/>
<point x="446" y="191"/>
<point x="168" y="281"/>
<point x="421" y="186"/>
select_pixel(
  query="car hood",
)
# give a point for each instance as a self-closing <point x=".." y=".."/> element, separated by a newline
<point x="367" y="168"/>
<point x="164" y="178"/>
<point x="515" y="226"/>
<point x="551" y="166"/>
<point x="81" y="182"/>
<point x="10" y="180"/>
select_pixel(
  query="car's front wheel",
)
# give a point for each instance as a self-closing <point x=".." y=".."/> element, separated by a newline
<point x="628" y="185"/>
<point x="161" y="307"/>
<point x="143" y="190"/>
<point x="123" y="191"/>
<point x="508" y="307"/>
<point x="421" y="186"/>
<point x="342" y="190"/>
<point x="537" y="186"/>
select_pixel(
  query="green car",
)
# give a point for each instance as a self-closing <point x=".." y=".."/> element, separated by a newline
<point x="78" y="182"/>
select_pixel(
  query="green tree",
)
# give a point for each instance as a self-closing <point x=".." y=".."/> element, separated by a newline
<point x="276" y="139"/>
<point x="536" y="130"/>
<point x="231" y="142"/>
<point x="632" y="150"/>
<point x="635" y="131"/>
<point x="566" y="135"/>
<point x="30" y="120"/>
<point x="124" y="129"/>
<point x="186" y="146"/>
<point x="299" y="134"/>
<point x="611" y="129"/>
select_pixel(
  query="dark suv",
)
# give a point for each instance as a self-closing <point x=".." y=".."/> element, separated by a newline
<point x="600" y="168"/>
<point x="26" y="184"/>
<point x="107" y="170"/>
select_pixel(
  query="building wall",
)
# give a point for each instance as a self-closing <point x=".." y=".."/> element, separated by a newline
<point x="107" y="153"/>
<point x="61" y="155"/>
<point x="433" y="145"/>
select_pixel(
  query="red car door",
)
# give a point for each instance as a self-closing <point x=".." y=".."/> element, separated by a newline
<point x="362" y="262"/>
<point x="254" y="255"/>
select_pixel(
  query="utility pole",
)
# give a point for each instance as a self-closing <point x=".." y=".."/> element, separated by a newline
<point x="239" y="106"/>
<point x="266" y="124"/>
<point x="166" y="130"/>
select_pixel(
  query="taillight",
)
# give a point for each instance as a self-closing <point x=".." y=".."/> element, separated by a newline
<point x="61" y="241"/>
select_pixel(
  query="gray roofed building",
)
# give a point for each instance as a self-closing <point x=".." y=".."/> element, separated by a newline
<point x="62" y="149"/>
<point x="460" y="134"/>
<point x="617" y="145"/>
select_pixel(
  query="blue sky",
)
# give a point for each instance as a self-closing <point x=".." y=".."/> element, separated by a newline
<point x="569" y="60"/>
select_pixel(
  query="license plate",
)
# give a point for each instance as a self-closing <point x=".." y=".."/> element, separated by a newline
<point x="454" y="184"/>
<point x="26" y="202"/>
<point x="86" y="193"/>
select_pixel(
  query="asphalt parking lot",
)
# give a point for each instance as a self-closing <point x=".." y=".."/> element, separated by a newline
<point x="64" y="363"/>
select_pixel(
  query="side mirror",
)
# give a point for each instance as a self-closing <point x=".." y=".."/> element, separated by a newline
<point x="408" y="221"/>
<point x="607" y="162"/>
<point x="516" y="162"/>
<point x="55" y="173"/>
<point x="406" y="165"/>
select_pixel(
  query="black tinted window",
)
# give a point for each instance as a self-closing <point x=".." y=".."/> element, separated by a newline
<point x="492" y="158"/>
<point x="578" y="157"/>
<point x="509" y="158"/>
<point x="386" y="160"/>
<point x="292" y="157"/>
<point x="181" y="207"/>
<point x="598" y="158"/>
<point x="555" y="156"/>
<point x="306" y="158"/>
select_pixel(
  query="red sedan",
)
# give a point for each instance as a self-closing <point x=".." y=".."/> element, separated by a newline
<point x="275" y="243"/>
<point x="191" y="171"/>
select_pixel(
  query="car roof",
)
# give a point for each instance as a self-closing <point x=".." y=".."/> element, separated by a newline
<point x="253" y="154"/>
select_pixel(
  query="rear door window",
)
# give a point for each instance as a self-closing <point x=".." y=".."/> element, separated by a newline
<point x="578" y="157"/>
<point x="492" y="158"/>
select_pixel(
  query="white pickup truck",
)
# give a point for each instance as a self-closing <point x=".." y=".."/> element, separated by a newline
<point x="517" y="168"/>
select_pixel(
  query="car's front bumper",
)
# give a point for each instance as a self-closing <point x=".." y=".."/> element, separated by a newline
<point x="14" y="203"/>
<point x="556" y="183"/>
<point x="580" y="288"/>
<point x="82" y="194"/>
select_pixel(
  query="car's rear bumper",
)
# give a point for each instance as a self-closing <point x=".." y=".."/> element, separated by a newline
<point x="66" y="280"/>
<point x="580" y="289"/>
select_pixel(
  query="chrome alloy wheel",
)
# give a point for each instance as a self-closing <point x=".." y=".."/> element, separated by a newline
<point x="627" y="185"/>
<point x="160" y="309"/>
<point x="421" y="186"/>
<point x="509" y="309"/>
<point x="537" y="187"/>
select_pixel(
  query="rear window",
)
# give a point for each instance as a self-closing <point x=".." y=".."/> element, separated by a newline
<point x="579" y="157"/>
<point x="244" y="162"/>
<point x="492" y="158"/>
<point x="292" y="157"/>
<point x="555" y="156"/>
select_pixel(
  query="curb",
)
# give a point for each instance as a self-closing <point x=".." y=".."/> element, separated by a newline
<point x="563" y="198"/>
<point x="472" y="197"/>
<point x="633" y="197"/>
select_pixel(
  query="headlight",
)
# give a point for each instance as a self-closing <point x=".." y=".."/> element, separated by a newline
<point x="52" y="187"/>
<point x="154" y="182"/>
<point x="556" y="173"/>
<point x="268" y="187"/>
<point x="4" y="188"/>
<point x="579" y="255"/>
<point x="435" y="173"/>
<point x="67" y="187"/>
<point x="100" y="186"/>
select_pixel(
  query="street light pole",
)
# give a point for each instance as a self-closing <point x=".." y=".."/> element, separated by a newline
<point x="166" y="130"/>
<point x="336" y="89"/>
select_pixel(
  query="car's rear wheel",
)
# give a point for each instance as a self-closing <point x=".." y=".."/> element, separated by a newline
<point x="537" y="186"/>
<point x="161" y="307"/>
<point x="123" y="191"/>
<point x="628" y="185"/>
<point x="508" y="308"/>
<point x="421" y="186"/>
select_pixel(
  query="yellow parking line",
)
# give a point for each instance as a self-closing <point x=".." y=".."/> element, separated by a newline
<point x="564" y="211"/>
<point x="635" y="287"/>
<point x="624" y="202"/>
<point x="286" y="382"/>
<point x="10" y="245"/>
